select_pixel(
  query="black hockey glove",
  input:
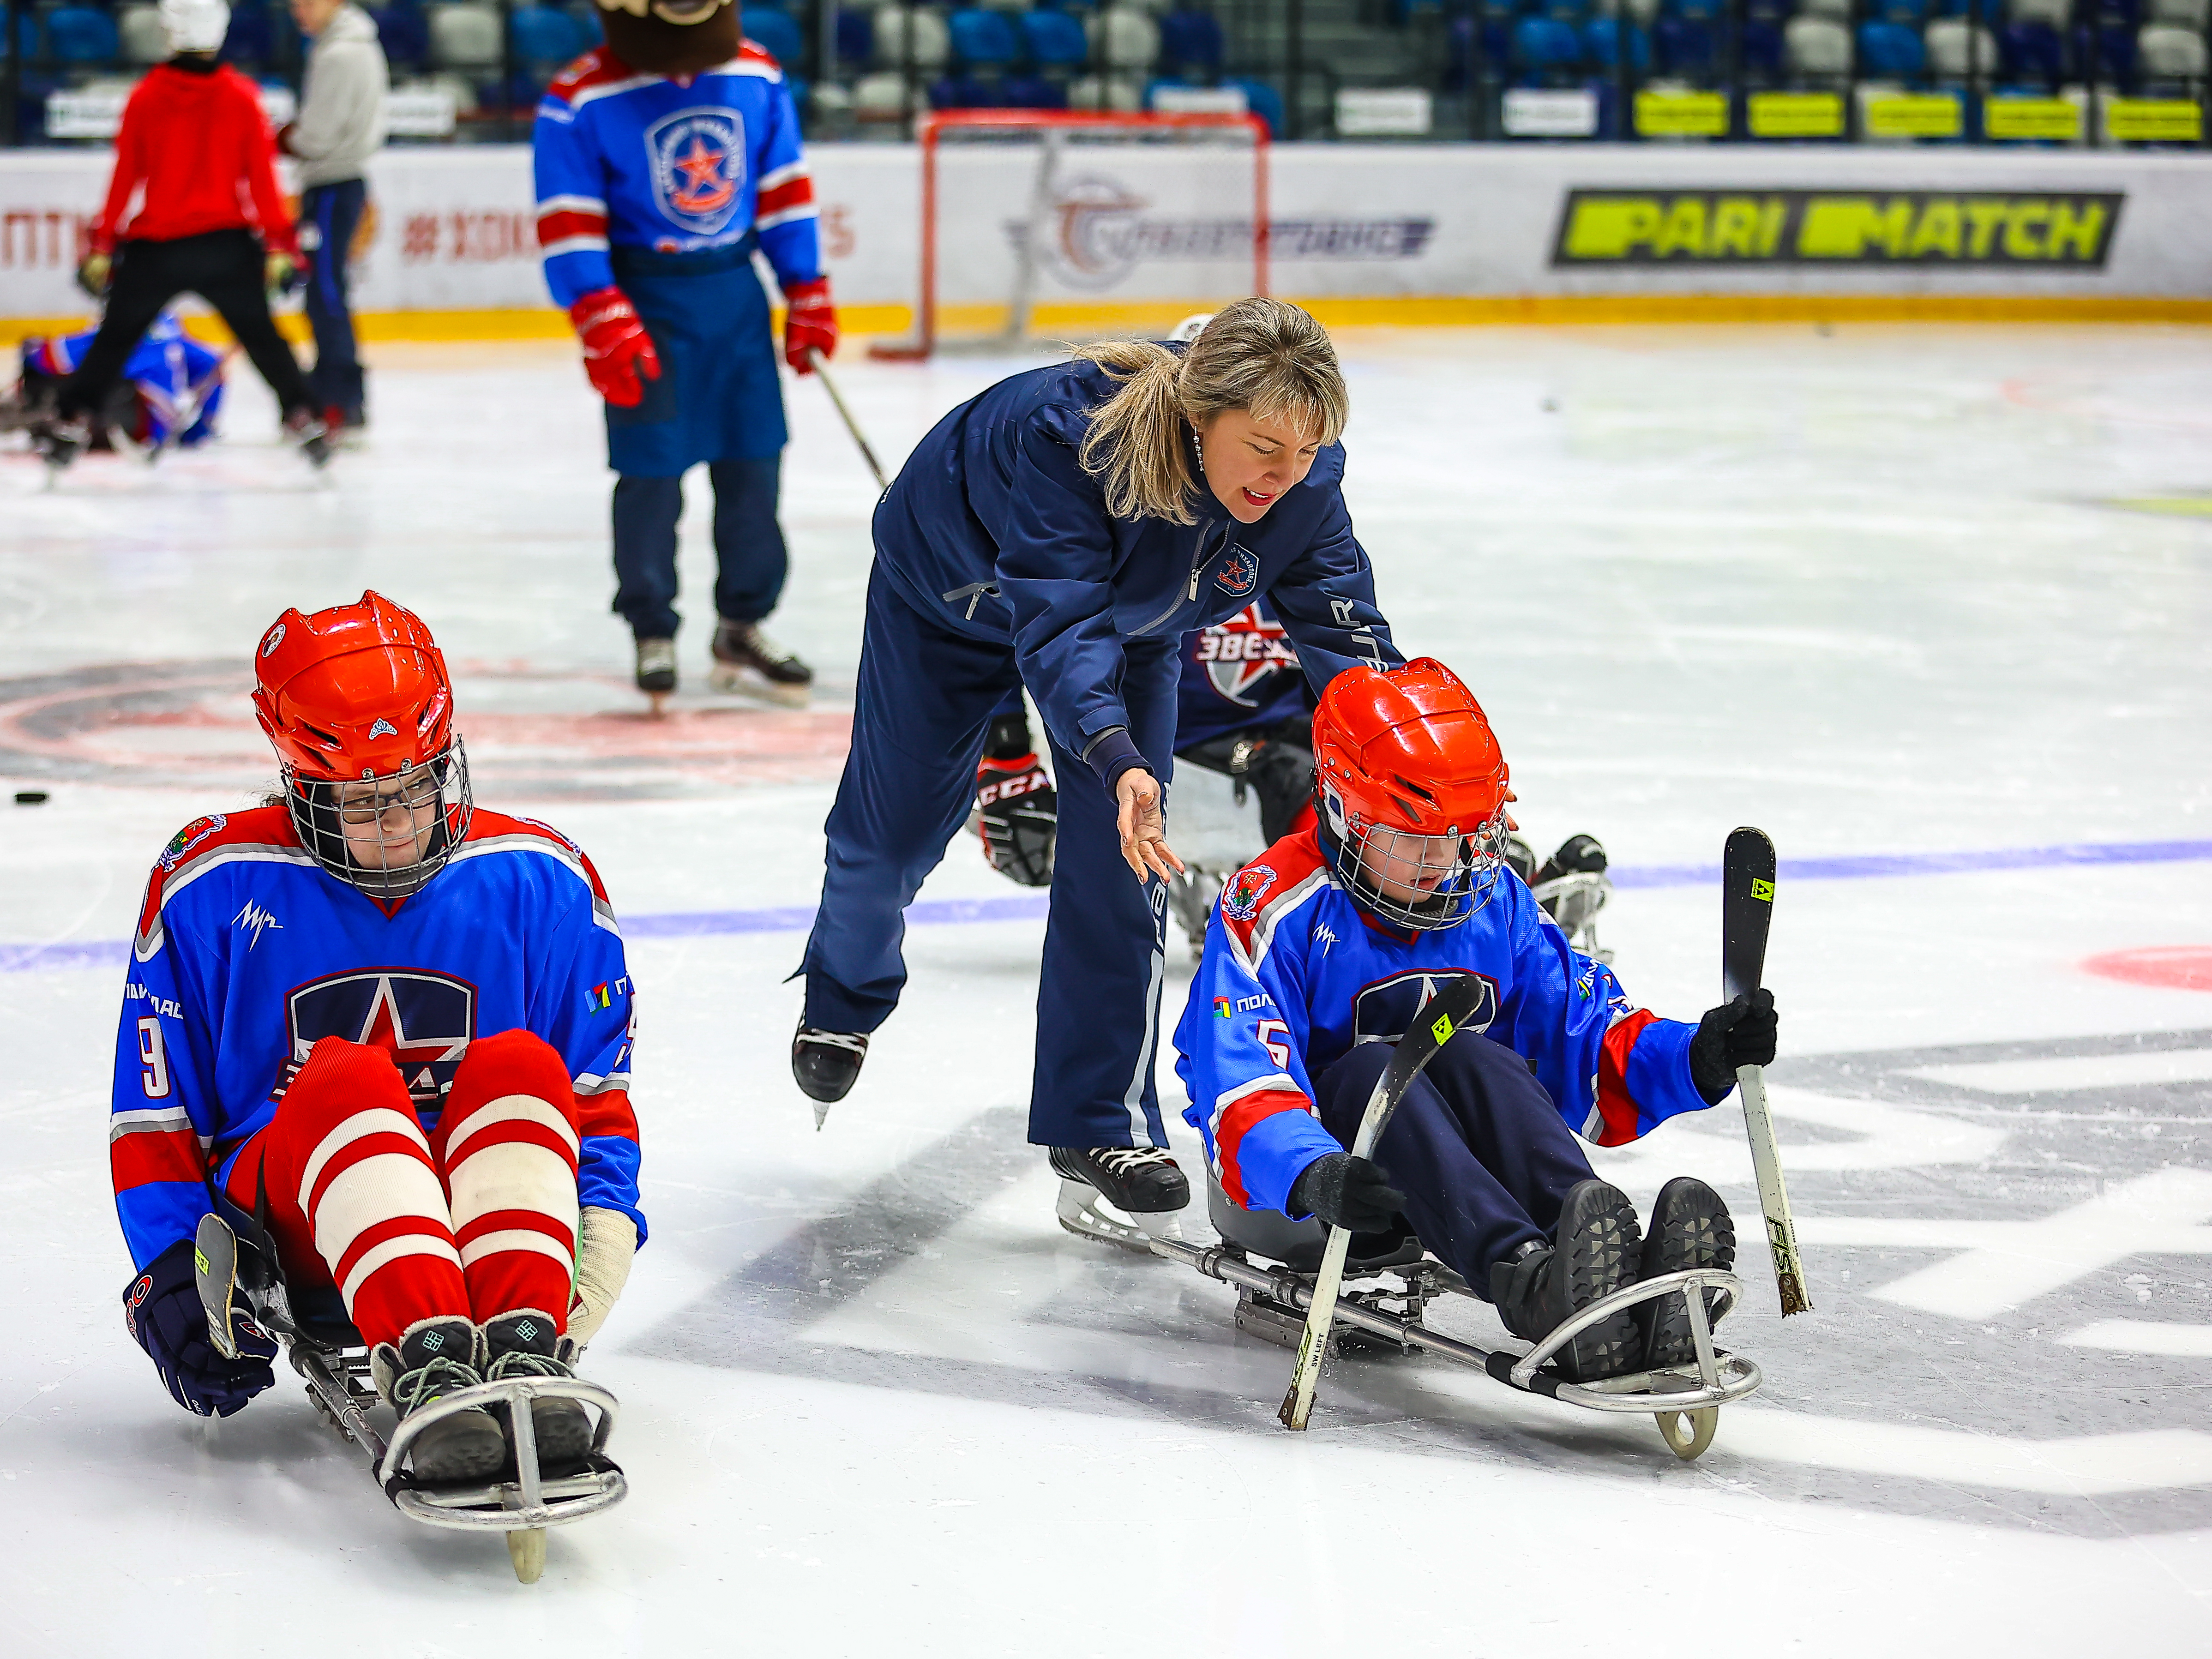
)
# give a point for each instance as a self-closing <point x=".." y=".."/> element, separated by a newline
<point x="1344" y="1191"/>
<point x="1739" y="1033"/>
<point x="161" y="1309"/>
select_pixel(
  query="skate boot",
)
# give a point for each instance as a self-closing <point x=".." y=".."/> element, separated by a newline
<point x="305" y="427"/>
<point x="1690" y="1227"/>
<point x="524" y="1343"/>
<point x="1142" y="1183"/>
<point x="434" y="1358"/>
<point x="741" y="650"/>
<point x="1017" y="816"/>
<point x="656" y="668"/>
<point x="826" y="1064"/>
<point x="58" y="441"/>
<point x="1522" y="859"/>
<point x="1597" y="1249"/>
<point x="1571" y="887"/>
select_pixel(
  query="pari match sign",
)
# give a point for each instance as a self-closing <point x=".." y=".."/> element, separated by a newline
<point x="2064" y="231"/>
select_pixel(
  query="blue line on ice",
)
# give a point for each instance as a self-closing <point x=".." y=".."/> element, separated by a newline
<point x="792" y="919"/>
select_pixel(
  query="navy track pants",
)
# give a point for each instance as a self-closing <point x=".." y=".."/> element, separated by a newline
<point x="924" y="705"/>
<point x="1481" y="1153"/>
<point x="751" y="561"/>
<point x="329" y="217"/>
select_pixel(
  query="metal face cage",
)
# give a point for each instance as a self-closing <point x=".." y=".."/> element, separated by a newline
<point x="321" y="817"/>
<point x="1457" y="876"/>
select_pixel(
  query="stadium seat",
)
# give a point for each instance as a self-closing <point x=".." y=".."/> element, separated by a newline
<point x="1946" y="39"/>
<point x="1758" y="48"/>
<point x="1032" y="92"/>
<point x="1123" y="94"/>
<point x="251" y="40"/>
<point x="545" y="39"/>
<point x="881" y="96"/>
<point x="1890" y="51"/>
<point x="1817" y="47"/>
<point x="1685" y="40"/>
<point x="2181" y="14"/>
<point x="776" y="33"/>
<point x="143" y="40"/>
<point x="1838" y="10"/>
<point x="2107" y="52"/>
<point x="1191" y="43"/>
<point x="78" y="35"/>
<point x="1545" y="45"/>
<point x="465" y="36"/>
<point x="931" y="45"/>
<point x="1261" y="100"/>
<point x="964" y="91"/>
<point x="405" y="37"/>
<point x="2051" y="14"/>
<point x="856" y="36"/>
<point x="1131" y="40"/>
<point x="2033" y="54"/>
<point x="1910" y="13"/>
<point x="1009" y="6"/>
<point x="984" y="39"/>
<point x="2165" y="52"/>
<point x="1601" y="39"/>
<point x="1054" y="39"/>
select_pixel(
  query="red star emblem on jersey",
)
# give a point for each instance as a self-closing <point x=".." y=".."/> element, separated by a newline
<point x="705" y="188"/>
<point x="1241" y="652"/>
<point x="383" y="1030"/>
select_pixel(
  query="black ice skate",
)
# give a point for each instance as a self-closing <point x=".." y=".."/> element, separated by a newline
<point x="524" y="1343"/>
<point x="1142" y="1183"/>
<point x="304" y="429"/>
<point x="656" y="669"/>
<point x="58" y="442"/>
<point x="1690" y="1227"/>
<point x="1571" y="887"/>
<point x="436" y="1358"/>
<point x="1597" y="1249"/>
<point x="826" y="1064"/>
<point x="747" y="661"/>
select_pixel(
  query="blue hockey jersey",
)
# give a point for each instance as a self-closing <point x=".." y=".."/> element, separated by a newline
<point x="172" y="372"/>
<point x="1236" y="674"/>
<point x="1295" y="975"/>
<point x="671" y="165"/>
<point x="247" y="953"/>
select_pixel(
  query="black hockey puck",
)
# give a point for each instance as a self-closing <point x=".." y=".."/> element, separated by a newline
<point x="30" y="798"/>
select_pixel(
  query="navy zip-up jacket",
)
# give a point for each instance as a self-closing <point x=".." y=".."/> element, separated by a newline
<point x="994" y="530"/>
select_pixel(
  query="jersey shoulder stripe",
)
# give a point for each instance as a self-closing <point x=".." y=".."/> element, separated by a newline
<point x="1259" y="898"/>
<point x="752" y="59"/>
<point x="263" y="836"/>
<point x="491" y="833"/>
<point x="597" y="70"/>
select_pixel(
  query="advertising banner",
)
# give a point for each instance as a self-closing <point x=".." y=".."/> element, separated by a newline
<point x="1806" y="228"/>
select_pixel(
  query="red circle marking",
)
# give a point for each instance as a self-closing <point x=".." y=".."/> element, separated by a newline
<point x="2173" y="966"/>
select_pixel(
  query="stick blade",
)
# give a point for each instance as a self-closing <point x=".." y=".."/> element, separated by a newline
<point x="214" y="1272"/>
<point x="1746" y="909"/>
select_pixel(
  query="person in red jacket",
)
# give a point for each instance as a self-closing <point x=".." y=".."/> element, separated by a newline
<point x="210" y="222"/>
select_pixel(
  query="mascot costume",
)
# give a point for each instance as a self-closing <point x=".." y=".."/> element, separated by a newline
<point x="664" y="158"/>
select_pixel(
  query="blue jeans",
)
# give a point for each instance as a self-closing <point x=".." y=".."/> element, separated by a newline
<point x="334" y="213"/>
<point x="924" y="705"/>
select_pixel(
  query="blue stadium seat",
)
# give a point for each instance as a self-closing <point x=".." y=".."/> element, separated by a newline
<point x="251" y="40"/>
<point x="984" y="39"/>
<point x="963" y="92"/>
<point x="1191" y="41"/>
<point x="1572" y="12"/>
<point x="403" y="35"/>
<point x="1758" y="48"/>
<point x="775" y="33"/>
<point x="544" y="36"/>
<point x="1686" y="37"/>
<point x="2033" y="54"/>
<point x="1545" y="45"/>
<point x="1602" y="36"/>
<point x="1032" y="92"/>
<point x="1054" y="39"/>
<point x="1263" y="100"/>
<point x="1910" y="13"/>
<point x="79" y="35"/>
<point x="1890" y="52"/>
<point x="856" y="36"/>
<point x="2107" y="50"/>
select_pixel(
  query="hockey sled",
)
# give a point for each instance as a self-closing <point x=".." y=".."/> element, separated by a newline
<point x="235" y="1260"/>
<point x="1271" y="1261"/>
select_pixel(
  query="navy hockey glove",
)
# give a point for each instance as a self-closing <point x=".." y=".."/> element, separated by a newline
<point x="161" y="1309"/>
<point x="1739" y="1033"/>
<point x="1344" y="1191"/>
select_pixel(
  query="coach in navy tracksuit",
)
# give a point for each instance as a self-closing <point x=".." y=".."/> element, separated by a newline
<point x="1034" y="536"/>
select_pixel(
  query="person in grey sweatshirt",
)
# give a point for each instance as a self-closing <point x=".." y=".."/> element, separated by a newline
<point x="339" y="126"/>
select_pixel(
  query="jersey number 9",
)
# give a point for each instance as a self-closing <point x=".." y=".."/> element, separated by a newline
<point x="154" y="1076"/>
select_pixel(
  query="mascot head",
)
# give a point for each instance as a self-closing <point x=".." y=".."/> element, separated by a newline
<point x="671" y="37"/>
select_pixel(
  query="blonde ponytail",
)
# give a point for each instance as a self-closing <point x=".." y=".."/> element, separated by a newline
<point x="1265" y="357"/>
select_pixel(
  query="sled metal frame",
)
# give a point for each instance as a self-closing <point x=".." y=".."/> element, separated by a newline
<point x="1686" y="1400"/>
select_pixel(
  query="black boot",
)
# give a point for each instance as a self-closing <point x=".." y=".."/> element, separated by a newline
<point x="58" y="441"/>
<point x="306" y="429"/>
<point x="741" y="649"/>
<point x="434" y="1358"/>
<point x="1690" y="1227"/>
<point x="826" y="1064"/>
<point x="1134" y="1180"/>
<point x="1597" y="1249"/>
<point x="524" y="1343"/>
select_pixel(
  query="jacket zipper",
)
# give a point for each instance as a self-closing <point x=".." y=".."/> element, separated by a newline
<point x="1197" y="569"/>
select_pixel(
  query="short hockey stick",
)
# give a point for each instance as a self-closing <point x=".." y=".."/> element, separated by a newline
<point x="1746" y="908"/>
<point x="1445" y="1014"/>
<point x="822" y="368"/>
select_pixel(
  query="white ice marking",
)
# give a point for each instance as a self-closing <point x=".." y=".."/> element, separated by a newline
<point x="2095" y="1465"/>
<point x="2003" y="1264"/>
<point x="2027" y="1077"/>
<point x="2144" y="1336"/>
<point x="1886" y="1136"/>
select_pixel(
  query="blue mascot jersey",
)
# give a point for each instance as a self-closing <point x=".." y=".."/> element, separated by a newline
<point x="1295" y="975"/>
<point x="1237" y="676"/>
<point x="670" y="165"/>
<point x="248" y="952"/>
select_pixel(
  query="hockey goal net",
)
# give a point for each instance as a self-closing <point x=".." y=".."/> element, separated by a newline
<point x="1043" y="225"/>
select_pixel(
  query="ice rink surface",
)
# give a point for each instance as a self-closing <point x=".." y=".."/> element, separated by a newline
<point x="1930" y="605"/>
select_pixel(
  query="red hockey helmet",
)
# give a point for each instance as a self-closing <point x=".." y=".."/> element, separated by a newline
<point x="1413" y="792"/>
<point x="358" y="695"/>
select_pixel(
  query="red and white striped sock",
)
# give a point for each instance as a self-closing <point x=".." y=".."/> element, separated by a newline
<point x="508" y="1145"/>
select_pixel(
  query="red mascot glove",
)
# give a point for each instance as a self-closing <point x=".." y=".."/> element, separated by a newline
<point x="810" y="324"/>
<point x="616" y="348"/>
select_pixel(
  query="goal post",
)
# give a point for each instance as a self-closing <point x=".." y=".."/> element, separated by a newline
<point x="1060" y="223"/>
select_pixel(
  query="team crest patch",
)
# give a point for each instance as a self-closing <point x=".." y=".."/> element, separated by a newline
<point x="189" y="837"/>
<point x="698" y="161"/>
<point x="1239" y="574"/>
<point x="1240" y="900"/>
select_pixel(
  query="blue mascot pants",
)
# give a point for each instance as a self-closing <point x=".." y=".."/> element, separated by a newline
<point x="1481" y="1153"/>
<point x="923" y="707"/>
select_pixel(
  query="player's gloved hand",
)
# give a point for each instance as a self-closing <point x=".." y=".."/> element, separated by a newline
<point x="280" y="274"/>
<point x="1739" y="1033"/>
<point x="809" y="325"/>
<point x="92" y="276"/>
<point x="1344" y="1191"/>
<point x="607" y="1240"/>
<point x="161" y="1309"/>
<point x="617" y="348"/>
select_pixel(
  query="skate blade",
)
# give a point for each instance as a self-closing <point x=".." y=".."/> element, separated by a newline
<point x="1082" y="1212"/>
<point x="742" y="682"/>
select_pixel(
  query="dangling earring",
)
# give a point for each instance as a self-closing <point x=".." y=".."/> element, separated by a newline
<point x="1198" y="449"/>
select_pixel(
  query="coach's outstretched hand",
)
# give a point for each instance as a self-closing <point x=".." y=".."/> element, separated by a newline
<point x="1738" y="1033"/>
<point x="1341" y="1190"/>
<point x="161" y="1309"/>
<point x="1144" y="828"/>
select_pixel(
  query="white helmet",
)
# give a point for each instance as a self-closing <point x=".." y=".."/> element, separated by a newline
<point x="1191" y="327"/>
<point x="195" y="25"/>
